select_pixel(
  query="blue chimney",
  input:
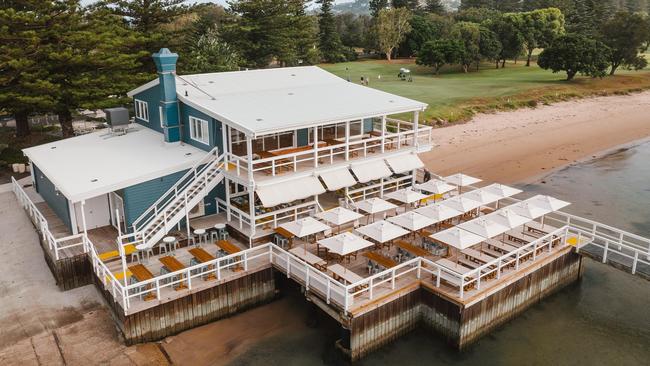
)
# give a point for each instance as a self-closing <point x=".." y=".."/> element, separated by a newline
<point x="165" y="62"/>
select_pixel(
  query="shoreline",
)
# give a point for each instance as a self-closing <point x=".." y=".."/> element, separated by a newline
<point x="525" y="145"/>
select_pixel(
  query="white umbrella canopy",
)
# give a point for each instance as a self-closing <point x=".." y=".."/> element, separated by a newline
<point x="339" y="216"/>
<point x="436" y="186"/>
<point x="508" y="217"/>
<point x="483" y="227"/>
<point x="412" y="221"/>
<point x="382" y="231"/>
<point x="457" y="238"/>
<point x="547" y="202"/>
<point x="406" y="195"/>
<point x="501" y="190"/>
<point x="528" y="210"/>
<point x="461" y="180"/>
<point x="374" y="205"/>
<point x="304" y="227"/>
<point x="461" y="203"/>
<point x="345" y="243"/>
<point x="484" y="197"/>
<point x="438" y="212"/>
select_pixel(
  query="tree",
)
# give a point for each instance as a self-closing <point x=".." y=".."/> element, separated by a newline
<point x="209" y="53"/>
<point x="268" y="30"/>
<point x="329" y="41"/>
<point x="377" y="5"/>
<point x="24" y="87"/>
<point x="539" y="28"/>
<point x="625" y="34"/>
<point x="575" y="53"/>
<point x="434" y="7"/>
<point x="469" y="35"/>
<point x="509" y="36"/>
<point x="425" y="27"/>
<point x="489" y="45"/>
<point x="439" y="53"/>
<point x="408" y="4"/>
<point x="392" y="27"/>
<point x="91" y="60"/>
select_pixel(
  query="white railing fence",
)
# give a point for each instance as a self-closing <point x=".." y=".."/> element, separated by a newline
<point x="56" y="245"/>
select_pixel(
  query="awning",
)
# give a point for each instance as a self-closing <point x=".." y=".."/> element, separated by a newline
<point x="337" y="179"/>
<point x="404" y="163"/>
<point x="278" y="193"/>
<point x="365" y="172"/>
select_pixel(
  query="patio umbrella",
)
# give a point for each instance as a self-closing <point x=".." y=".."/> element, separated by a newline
<point x="339" y="216"/>
<point x="507" y="217"/>
<point x="547" y="202"/>
<point x="435" y="186"/>
<point x="382" y="231"/>
<point x="304" y="227"/>
<point x="345" y="243"/>
<point x="528" y="210"/>
<point x="501" y="190"/>
<point x="461" y="180"/>
<point x="412" y="221"/>
<point x="461" y="203"/>
<point x="457" y="238"/>
<point x="374" y="205"/>
<point x="485" y="198"/>
<point x="483" y="227"/>
<point x="438" y="212"/>
<point x="406" y="195"/>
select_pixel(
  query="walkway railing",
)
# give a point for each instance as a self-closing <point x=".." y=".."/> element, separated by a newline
<point x="56" y="245"/>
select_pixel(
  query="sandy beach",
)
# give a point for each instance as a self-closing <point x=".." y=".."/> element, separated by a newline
<point x="522" y="145"/>
<point x="509" y="147"/>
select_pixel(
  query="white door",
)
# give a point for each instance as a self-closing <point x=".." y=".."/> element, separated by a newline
<point x="97" y="213"/>
<point x="117" y="204"/>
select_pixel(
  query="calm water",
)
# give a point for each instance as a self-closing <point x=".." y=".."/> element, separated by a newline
<point x="602" y="320"/>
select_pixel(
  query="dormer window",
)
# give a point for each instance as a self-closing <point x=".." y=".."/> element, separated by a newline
<point x="141" y="110"/>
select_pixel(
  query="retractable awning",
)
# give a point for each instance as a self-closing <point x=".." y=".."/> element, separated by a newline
<point x="278" y="193"/>
<point x="337" y="179"/>
<point x="372" y="170"/>
<point x="404" y="163"/>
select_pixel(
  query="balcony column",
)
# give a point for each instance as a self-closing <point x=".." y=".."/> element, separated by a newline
<point x="383" y="134"/>
<point x="249" y="157"/>
<point x="251" y="204"/>
<point x="416" y="120"/>
<point x="228" y="212"/>
<point x="224" y="139"/>
<point x="315" y="146"/>
<point x="347" y="140"/>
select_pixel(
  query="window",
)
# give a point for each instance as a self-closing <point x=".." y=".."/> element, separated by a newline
<point x="141" y="110"/>
<point x="268" y="142"/>
<point x="199" y="130"/>
<point x="337" y="131"/>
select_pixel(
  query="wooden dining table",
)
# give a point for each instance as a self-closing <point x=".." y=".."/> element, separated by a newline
<point x="202" y="256"/>
<point x="227" y="246"/>
<point x="285" y="233"/>
<point x="380" y="259"/>
<point x="173" y="265"/>
<point x="415" y="250"/>
<point x="141" y="273"/>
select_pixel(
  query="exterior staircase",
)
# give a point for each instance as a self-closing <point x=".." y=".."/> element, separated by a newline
<point x="164" y="214"/>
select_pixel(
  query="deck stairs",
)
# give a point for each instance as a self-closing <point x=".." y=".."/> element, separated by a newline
<point x="164" y="214"/>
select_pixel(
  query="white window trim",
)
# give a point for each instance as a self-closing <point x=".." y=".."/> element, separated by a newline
<point x="160" y="117"/>
<point x="141" y="110"/>
<point x="205" y="130"/>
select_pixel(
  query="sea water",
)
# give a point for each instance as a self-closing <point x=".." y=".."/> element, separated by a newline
<point x="604" y="319"/>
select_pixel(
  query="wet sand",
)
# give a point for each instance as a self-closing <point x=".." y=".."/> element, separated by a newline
<point x="522" y="145"/>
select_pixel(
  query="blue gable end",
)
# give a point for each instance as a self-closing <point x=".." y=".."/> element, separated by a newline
<point x="55" y="200"/>
<point x="215" y="134"/>
<point x="152" y="97"/>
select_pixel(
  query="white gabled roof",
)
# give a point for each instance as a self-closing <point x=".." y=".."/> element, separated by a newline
<point x="271" y="100"/>
<point x="90" y="165"/>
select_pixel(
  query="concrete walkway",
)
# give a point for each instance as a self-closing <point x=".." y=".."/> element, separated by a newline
<point x="41" y="325"/>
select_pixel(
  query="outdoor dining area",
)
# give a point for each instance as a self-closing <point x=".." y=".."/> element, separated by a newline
<point x="458" y="231"/>
<point x="467" y="234"/>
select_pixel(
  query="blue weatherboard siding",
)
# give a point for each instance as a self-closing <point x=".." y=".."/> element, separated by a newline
<point x="152" y="97"/>
<point x="214" y="126"/>
<point x="57" y="201"/>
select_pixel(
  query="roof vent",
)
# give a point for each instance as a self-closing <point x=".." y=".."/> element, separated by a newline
<point x="93" y="180"/>
<point x="53" y="147"/>
<point x="259" y="119"/>
<point x="211" y="82"/>
<point x="289" y="93"/>
<point x="293" y="74"/>
<point x="188" y="154"/>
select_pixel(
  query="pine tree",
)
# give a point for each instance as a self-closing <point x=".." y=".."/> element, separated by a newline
<point x="329" y="40"/>
<point x="376" y="6"/>
<point x="434" y="6"/>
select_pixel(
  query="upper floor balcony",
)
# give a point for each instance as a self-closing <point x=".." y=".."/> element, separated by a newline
<point x="321" y="146"/>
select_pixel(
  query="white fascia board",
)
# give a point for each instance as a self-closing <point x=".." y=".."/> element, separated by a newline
<point x="144" y="87"/>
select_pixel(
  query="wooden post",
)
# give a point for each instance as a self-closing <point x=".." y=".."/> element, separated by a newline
<point x="249" y="155"/>
<point x="315" y="146"/>
<point x="416" y="121"/>
<point x="251" y="204"/>
<point x="228" y="212"/>
<point x="224" y="140"/>
<point x="347" y="140"/>
<point x="383" y="134"/>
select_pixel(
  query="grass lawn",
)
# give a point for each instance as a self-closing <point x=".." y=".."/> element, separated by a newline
<point x="455" y="96"/>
